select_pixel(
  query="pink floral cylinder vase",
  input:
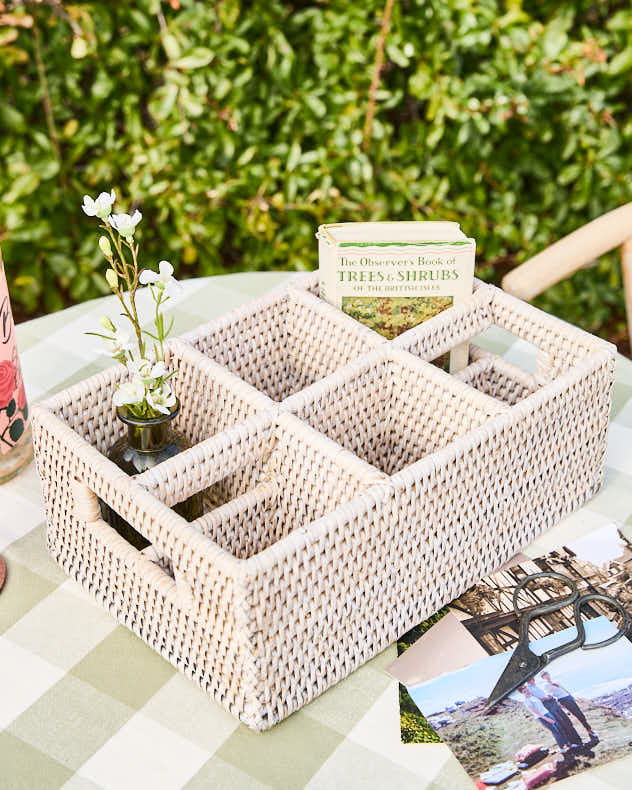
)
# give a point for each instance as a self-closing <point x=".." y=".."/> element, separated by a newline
<point x="15" y="431"/>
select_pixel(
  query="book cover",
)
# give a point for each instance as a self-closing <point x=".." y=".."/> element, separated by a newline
<point x="392" y="276"/>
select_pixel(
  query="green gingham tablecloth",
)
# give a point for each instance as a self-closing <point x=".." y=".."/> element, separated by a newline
<point x="85" y="704"/>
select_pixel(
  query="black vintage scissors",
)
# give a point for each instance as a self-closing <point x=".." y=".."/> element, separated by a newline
<point x="524" y="663"/>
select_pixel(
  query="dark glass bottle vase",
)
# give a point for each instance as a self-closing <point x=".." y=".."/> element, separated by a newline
<point x="148" y="443"/>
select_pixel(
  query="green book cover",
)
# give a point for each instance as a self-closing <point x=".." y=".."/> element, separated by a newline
<point x="392" y="276"/>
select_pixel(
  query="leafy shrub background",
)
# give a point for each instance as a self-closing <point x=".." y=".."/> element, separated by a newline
<point x="238" y="127"/>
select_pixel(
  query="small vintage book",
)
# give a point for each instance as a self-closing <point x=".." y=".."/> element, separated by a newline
<point x="391" y="276"/>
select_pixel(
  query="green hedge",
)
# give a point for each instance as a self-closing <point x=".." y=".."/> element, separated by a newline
<point x="239" y="127"/>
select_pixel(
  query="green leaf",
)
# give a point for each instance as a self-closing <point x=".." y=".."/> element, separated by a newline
<point x="163" y="101"/>
<point x="622" y="20"/>
<point x="46" y="167"/>
<point x="191" y="104"/>
<point x="23" y="185"/>
<point x="293" y="156"/>
<point x="569" y="146"/>
<point x="569" y="173"/>
<point x="529" y="226"/>
<point x="196" y="59"/>
<point x="31" y="231"/>
<point x="102" y="86"/>
<point x="11" y="118"/>
<point x="16" y="429"/>
<point x="247" y="155"/>
<point x="435" y="135"/>
<point x="396" y="55"/>
<point x="621" y="62"/>
<point x="316" y="105"/>
<point x="554" y="39"/>
<point x="159" y="187"/>
<point x="10" y="409"/>
<point x="171" y="46"/>
<point x="7" y="36"/>
<point x="229" y="12"/>
<point x="420" y="83"/>
<point x="463" y="135"/>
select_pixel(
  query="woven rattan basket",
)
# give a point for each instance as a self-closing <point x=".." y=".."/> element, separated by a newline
<point x="351" y="487"/>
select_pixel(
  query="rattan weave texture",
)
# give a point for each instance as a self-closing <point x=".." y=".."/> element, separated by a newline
<point x="352" y="488"/>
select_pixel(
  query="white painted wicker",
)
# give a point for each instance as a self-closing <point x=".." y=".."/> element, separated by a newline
<point x="351" y="487"/>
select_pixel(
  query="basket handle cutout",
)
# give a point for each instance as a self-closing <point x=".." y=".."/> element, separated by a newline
<point x="87" y="507"/>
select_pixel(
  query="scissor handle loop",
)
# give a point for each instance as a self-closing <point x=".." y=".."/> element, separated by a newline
<point x="580" y="639"/>
<point x="545" y="608"/>
<point x="625" y="617"/>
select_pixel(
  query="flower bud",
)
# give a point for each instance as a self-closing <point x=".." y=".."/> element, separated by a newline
<point x="79" y="48"/>
<point x="112" y="279"/>
<point x="104" y="246"/>
<point x="107" y="324"/>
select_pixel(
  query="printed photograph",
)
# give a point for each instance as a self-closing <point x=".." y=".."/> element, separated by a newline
<point x="600" y="561"/>
<point x="392" y="315"/>
<point x="575" y="715"/>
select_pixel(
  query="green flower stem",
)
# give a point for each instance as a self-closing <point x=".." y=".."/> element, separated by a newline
<point x="159" y="322"/>
<point x="132" y="298"/>
<point x="130" y="274"/>
<point x="122" y="271"/>
<point x="158" y="295"/>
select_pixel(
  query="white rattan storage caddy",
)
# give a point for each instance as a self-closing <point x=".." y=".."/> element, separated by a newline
<point x="352" y="488"/>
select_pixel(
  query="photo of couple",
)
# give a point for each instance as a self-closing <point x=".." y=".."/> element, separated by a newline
<point x="550" y="703"/>
<point x="600" y="560"/>
<point x="571" y="716"/>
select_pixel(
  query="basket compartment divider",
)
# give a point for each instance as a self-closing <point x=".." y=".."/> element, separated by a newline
<point x="209" y="461"/>
<point x="450" y="327"/>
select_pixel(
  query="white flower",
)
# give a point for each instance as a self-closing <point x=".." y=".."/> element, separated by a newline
<point x="146" y="370"/>
<point x="165" y="281"/>
<point x="139" y="368"/>
<point x="125" y="224"/>
<point x="130" y="392"/>
<point x="158" y="370"/>
<point x="118" y="343"/>
<point x="100" y="207"/>
<point x="162" y="399"/>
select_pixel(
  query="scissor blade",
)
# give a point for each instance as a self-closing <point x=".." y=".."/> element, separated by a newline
<point x="522" y="665"/>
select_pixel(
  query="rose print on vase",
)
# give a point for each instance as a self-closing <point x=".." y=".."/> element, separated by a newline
<point x="15" y="434"/>
<point x="22" y="399"/>
<point x="13" y="406"/>
<point x="7" y="382"/>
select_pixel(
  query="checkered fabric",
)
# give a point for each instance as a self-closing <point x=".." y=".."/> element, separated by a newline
<point x="84" y="704"/>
